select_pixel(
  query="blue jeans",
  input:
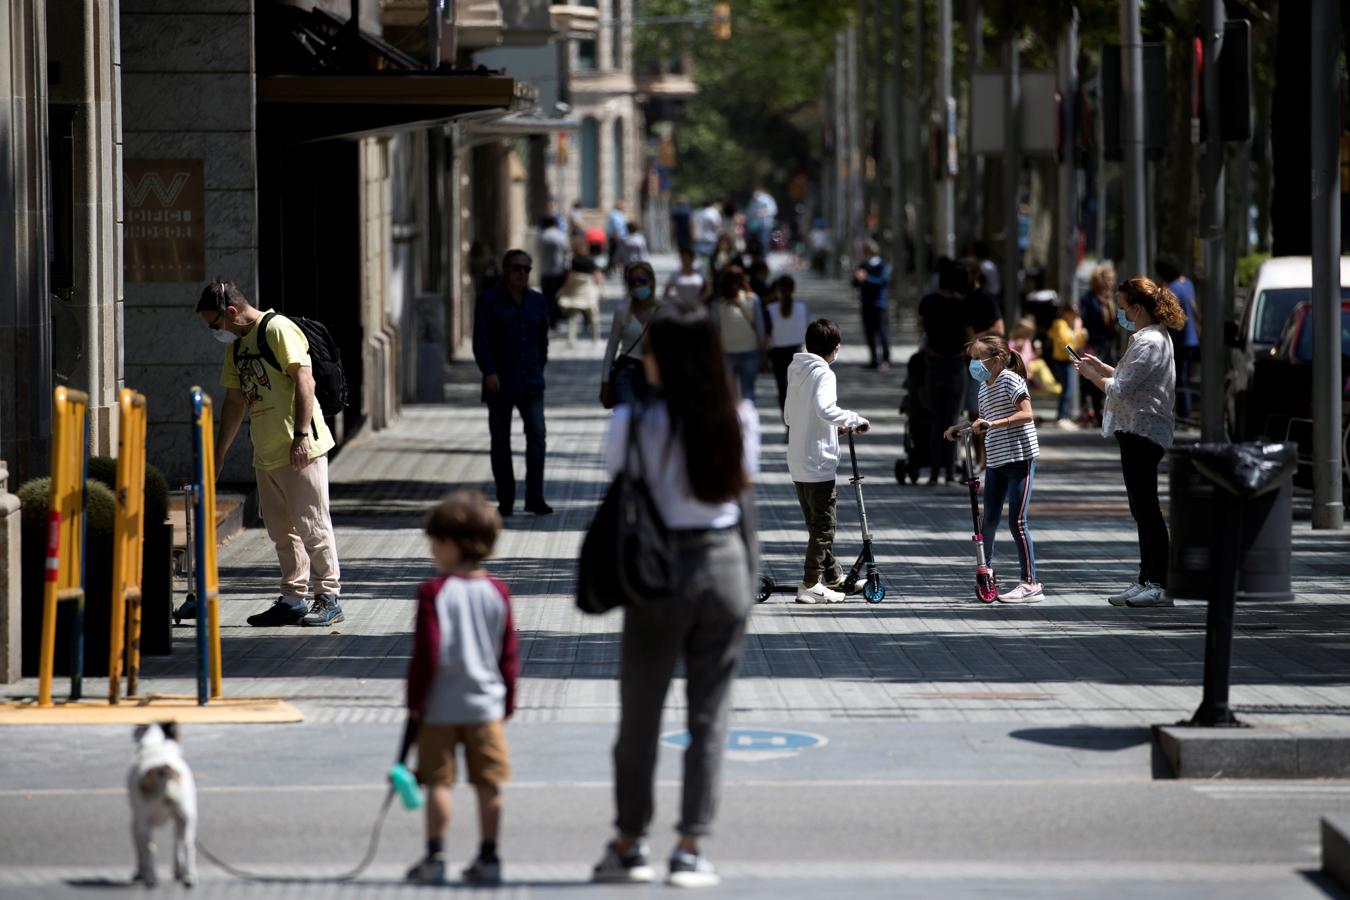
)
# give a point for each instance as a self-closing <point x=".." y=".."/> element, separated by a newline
<point x="744" y="369"/>
<point x="1012" y="483"/>
<point x="499" y="427"/>
<point x="1064" y="374"/>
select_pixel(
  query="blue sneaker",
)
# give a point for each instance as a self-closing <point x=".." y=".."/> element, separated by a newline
<point x="325" y="611"/>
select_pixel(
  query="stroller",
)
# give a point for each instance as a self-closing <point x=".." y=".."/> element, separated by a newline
<point x="916" y="422"/>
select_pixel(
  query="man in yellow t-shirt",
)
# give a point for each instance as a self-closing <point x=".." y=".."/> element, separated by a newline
<point x="290" y="449"/>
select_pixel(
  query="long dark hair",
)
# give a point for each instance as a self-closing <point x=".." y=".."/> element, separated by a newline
<point x="700" y="400"/>
<point x="1006" y="355"/>
<point x="785" y="287"/>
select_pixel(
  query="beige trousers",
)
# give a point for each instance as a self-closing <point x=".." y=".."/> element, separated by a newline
<point x="295" y="511"/>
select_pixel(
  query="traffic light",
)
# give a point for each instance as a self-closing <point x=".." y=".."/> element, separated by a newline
<point x="721" y="21"/>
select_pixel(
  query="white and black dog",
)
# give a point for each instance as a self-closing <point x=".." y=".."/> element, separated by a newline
<point x="161" y="790"/>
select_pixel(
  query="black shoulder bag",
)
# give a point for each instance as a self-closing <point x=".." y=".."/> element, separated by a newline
<point x="626" y="557"/>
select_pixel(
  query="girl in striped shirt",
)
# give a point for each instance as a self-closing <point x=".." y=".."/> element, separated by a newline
<point x="1009" y="429"/>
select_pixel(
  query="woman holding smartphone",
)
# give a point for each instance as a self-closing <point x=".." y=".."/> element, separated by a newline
<point x="1140" y="392"/>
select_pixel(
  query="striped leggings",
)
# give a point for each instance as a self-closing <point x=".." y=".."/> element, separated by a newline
<point x="1013" y="483"/>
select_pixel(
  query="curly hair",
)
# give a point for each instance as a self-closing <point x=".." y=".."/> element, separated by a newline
<point x="1157" y="299"/>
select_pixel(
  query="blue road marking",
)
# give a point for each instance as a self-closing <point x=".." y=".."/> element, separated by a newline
<point x="755" y="740"/>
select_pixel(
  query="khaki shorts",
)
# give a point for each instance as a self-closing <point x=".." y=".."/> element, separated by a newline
<point x="484" y="753"/>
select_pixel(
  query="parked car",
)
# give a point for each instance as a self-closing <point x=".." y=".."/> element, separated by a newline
<point x="1279" y="400"/>
<point x="1281" y="284"/>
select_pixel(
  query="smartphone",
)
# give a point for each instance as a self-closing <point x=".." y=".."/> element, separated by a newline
<point x="1076" y="357"/>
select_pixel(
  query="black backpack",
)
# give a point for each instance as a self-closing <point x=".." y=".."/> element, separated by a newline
<point x="330" y="382"/>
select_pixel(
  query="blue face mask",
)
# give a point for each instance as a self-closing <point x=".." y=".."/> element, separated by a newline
<point x="642" y="293"/>
<point x="978" y="371"/>
<point x="1124" y="322"/>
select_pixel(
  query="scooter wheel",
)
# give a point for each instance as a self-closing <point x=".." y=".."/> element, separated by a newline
<point x="874" y="591"/>
<point x="765" y="588"/>
<point x="986" y="588"/>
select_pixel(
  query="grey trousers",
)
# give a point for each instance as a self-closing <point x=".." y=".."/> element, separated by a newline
<point x="704" y="626"/>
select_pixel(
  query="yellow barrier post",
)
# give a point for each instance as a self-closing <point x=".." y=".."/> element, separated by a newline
<point x="65" y="538"/>
<point x="207" y="582"/>
<point x="128" y="538"/>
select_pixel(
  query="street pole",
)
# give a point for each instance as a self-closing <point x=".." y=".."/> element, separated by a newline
<point x="855" y="164"/>
<point x="1012" y="179"/>
<point x="1328" y="511"/>
<point x="974" y="164"/>
<point x="1214" y="301"/>
<point x="1067" y="192"/>
<point x="840" y="221"/>
<point x="895" y="104"/>
<point x="944" y="232"/>
<point x="918" y="133"/>
<point x="1132" y="91"/>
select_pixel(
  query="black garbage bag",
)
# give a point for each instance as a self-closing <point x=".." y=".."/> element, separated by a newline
<point x="1244" y="470"/>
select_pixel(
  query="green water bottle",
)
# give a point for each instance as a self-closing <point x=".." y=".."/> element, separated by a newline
<point x="406" y="786"/>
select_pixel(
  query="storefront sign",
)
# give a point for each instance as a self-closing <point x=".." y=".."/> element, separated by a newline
<point x="164" y="209"/>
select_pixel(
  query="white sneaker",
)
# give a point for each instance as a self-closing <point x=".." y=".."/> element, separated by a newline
<point x="617" y="868"/>
<point x="1151" y="595"/>
<point x="845" y="588"/>
<point x="817" y="593"/>
<point x="1066" y="424"/>
<point x="1120" y="599"/>
<point x="1023" y="593"/>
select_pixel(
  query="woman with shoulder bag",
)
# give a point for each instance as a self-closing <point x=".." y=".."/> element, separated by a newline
<point x="739" y="318"/>
<point x="621" y="376"/>
<point x="1140" y="391"/>
<point x="699" y="448"/>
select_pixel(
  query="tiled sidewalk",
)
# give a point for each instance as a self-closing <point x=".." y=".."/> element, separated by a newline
<point x="930" y="652"/>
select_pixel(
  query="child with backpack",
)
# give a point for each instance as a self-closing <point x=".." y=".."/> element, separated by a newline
<point x="1009" y="429"/>
<point x="461" y="681"/>
<point x="814" y="421"/>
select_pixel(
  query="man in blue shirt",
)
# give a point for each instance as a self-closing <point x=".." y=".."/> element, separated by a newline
<point x="1186" y="340"/>
<point x="616" y="229"/>
<point x="872" y="279"/>
<point x="510" y="345"/>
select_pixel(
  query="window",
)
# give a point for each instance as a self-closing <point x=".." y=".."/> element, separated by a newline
<point x="616" y="160"/>
<point x="616" y="34"/>
<point x="590" y="163"/>
<point x="586" y="50"/>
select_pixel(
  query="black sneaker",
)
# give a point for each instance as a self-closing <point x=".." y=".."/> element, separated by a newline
<point x="538" y="507"/>
<point x="187" y="611"/>
<point x="325" y="611"/>
<point x="283" y="611"/>
<point x="616" y="867"/>
<point x="430" y="870"/>
<point x="691" y="870"/>
<point x="483" y="872"/>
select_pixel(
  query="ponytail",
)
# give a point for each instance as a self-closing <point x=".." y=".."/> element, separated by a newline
<point x="1016" y="364"/>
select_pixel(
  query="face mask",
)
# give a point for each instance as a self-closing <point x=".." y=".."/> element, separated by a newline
<point x="978" y="371"/>
<point x="1124" y="322"/>
<point x="641" y="293"/>
<point x="225" y="337"/>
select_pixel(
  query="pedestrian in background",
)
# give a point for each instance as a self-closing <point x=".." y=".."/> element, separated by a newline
<point x="510" y="345"/>
<point x="267" y="373"/>
<point x="621" y="376"/>
<point x="579" y="297"/>
<point x="554" y="256"/>
<point x="616" y="229"/>
<point x="705" y="227"/>
<point x="1065" y="331"/>
<point x="814" y="420"/>
<point x="634" y="244"/>
<point x="1186" y="338"/>
<point x="1099" y="318"/>
<point x="1140" y="393"/>
<point x="700" y="450"/>
<point x="788" y="318"/>
<point x="1008" y="426"/>
<point x="872" y="280"/>
<point x="942" y="320"/>
<point x="688" y="285"/>
<point x="462" y="681"/>
<point x="737" y="316"/>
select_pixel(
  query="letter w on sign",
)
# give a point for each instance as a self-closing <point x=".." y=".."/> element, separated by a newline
<point x="151" y="182"/>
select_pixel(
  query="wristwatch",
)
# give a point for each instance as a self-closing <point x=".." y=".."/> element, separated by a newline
<point x="300" y="434"/>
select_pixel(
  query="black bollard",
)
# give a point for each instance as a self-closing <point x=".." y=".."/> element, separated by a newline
<point x="1214" y="709"/>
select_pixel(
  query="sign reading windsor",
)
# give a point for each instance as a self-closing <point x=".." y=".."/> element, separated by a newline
<point x="164" y="233"/>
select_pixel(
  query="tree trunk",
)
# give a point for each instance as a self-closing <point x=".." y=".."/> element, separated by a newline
<point x="1290" y="137"/>
<point x="1175" y="200"/>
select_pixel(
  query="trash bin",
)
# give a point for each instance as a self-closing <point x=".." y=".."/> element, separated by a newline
<point x="1197" y="509"/>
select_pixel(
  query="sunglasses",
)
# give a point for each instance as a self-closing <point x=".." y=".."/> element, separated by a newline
<point x="638" y="282"/>
<point x="520" y="268"/>
<point x="215" y="326"/>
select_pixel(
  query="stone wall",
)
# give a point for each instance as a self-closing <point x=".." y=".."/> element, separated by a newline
<point x="188" y="89"/>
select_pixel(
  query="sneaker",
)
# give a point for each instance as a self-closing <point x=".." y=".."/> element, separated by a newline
<point x="538" y="507"/>
<point x="616" y="867"/>
<point x="1022" y="593"/>
<point x="325" y="611"/>
<point x="840" y="585"/>
<point x="1151" y="595"/>
<point x="1119" y="599"/>
<point x="691" y="870"/>
<point x="817" y="593"/>
<point x="483" y="872"/>
<point x="283" y="611"/>
<point x="1066" y="424"/>
<point x="188" y="610"/>
<point x="430" y="870"/>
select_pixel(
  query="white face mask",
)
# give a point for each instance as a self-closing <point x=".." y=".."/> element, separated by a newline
<point x="225" y="337"/>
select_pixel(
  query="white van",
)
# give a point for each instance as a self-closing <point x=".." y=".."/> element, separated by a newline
<point x="1281" y="283"/>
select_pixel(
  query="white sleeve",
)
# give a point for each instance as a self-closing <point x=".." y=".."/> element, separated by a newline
<point x="827" y="406"/>
<point x="749" y="437"/>
<point x="1142" y="369"/>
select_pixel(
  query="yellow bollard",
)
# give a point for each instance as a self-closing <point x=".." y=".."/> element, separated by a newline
<point x="65" y="537"/>
<point x="128" y="539"/>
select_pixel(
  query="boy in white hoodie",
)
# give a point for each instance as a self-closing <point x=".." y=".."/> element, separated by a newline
<point x="814" y="421"/>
